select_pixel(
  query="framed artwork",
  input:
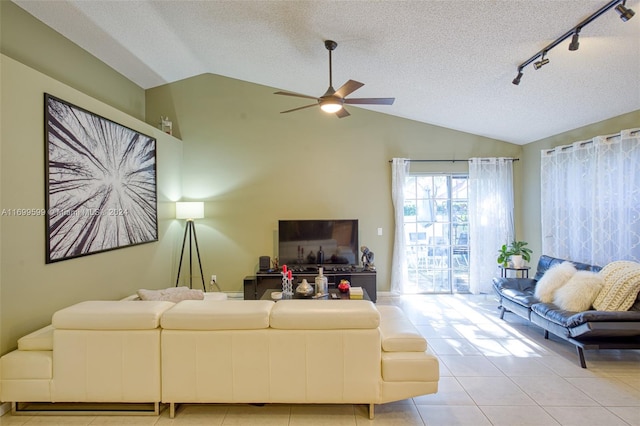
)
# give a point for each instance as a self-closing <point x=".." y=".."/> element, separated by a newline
<point x="100" y="183"/>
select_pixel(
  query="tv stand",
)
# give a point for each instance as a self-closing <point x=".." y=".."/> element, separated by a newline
<point x="255" y="286"/>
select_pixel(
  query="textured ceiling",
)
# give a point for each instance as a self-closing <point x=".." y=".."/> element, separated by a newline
<point x="447" y="63"/>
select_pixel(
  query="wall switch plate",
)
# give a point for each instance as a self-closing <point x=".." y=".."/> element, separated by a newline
<point x="379" y="231"/>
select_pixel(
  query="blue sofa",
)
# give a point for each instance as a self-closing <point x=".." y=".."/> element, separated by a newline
<point x="586" y="330"/>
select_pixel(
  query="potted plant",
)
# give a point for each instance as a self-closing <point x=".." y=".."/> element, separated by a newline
<point x="503" y="255"/>
<point x="516" y="252"/>
<point x="519" y="253"/>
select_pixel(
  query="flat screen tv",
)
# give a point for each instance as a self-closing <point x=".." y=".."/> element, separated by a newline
<point x="299" y="242"/>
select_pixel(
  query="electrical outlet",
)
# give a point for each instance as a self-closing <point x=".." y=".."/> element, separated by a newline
<point x="214" y="278"/>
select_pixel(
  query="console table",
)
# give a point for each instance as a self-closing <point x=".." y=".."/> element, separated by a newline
<point x="338" y="293"/>
<point x="256" y="285"/>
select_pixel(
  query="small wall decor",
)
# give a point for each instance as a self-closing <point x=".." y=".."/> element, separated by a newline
<point x="100" y="183"/>
<point x="166" y="125"/>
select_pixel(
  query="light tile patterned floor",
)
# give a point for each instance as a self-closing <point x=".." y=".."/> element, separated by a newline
<point x="493" y="372"/>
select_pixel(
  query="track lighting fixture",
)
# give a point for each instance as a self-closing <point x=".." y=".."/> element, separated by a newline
<point x="624" y="12"/>
<point x="575" y="44"/>
<point x="541" y="62"/>
<point x="516" y="80"/>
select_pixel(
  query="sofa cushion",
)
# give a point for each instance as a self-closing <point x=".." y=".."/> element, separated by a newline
<point x="39" y="340"/>
<point x="572" y="319"/>
<point x="579" y="292"/>
<point x="552" y="280"/>
<point x="171" y="294"/>
<point x="545" y="262"/>
<point x="218" y="315"/>
<point x="621" y="286"/>
<point x="110" y="315"/>
<point x="324" y="315"/>
<point x="398" y="334"/>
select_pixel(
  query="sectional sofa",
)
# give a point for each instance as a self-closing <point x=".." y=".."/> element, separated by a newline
<point x="202" y="351"/>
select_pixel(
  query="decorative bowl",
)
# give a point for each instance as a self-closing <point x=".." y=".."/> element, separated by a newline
<point x="344" y="286"/>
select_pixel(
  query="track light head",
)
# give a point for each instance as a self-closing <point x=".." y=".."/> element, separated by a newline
<point x="516" y="80"/>
<point x="543" y="61"/>
<point x="575" y="44"/>
<point x="625" y="13"/>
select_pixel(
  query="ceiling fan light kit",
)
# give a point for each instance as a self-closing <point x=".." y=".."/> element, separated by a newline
<point x="333" y="100"/>
<point x="624" y="12"/>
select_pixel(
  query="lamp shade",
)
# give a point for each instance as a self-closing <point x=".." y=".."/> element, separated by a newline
<point x="190" y="210"/>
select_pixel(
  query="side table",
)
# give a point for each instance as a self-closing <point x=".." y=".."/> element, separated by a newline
<point x="524" y="271"/>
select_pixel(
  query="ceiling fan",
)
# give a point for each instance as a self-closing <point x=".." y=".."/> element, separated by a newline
<point x="332" y="101"/>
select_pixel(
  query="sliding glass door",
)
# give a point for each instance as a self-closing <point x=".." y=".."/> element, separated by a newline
<point x="437" y="233"/>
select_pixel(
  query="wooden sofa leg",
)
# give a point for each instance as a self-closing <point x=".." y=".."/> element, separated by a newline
<point x="546" y="334"/>
<point x="371" y="413"/>
<point x="502" y="311"/>
<point x="172" y="410"/>
<point x="583" y="363"/>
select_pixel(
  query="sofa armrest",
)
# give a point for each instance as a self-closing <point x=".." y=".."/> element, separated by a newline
<point x="39" y="340"/>
<point x="524" y="285"/>
<point x="518" y="290"/>
<point x="397" y="333"/>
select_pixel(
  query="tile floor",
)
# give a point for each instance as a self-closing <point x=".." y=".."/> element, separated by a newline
<point x="493" y="372"/>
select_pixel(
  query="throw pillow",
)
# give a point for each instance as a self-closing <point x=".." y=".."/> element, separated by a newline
<point x="621" y="286"/>
<point x="579" y="292"/>
<point x="554" y="278"/>
<point x="171" y="294"/>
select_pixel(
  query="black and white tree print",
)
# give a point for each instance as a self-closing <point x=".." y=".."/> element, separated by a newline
<point x="101" y="183"/>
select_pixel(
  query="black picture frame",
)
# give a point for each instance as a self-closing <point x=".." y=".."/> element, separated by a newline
<point x="100" y="183"/>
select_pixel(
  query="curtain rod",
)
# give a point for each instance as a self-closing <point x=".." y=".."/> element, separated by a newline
<point x="585" y="143"/>
<point x="450" y="161"/>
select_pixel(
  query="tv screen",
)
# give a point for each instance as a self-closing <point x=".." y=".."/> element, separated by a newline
<point x="300" y="241"/>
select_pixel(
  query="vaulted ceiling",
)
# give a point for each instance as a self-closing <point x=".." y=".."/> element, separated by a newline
<point x="447" y="63"/>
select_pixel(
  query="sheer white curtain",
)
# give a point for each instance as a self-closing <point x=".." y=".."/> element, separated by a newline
<point x="591" y="199"/>
<point x="399" y="172"/>
<point x="490" y="217"/>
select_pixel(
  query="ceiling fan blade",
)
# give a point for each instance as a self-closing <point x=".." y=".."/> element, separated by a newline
<point x="342" y="113"/>
<point x="349" y="87"/>
<point x="299" y="108"/>
<point x="297" y="95"/>
<point x="370" y="101"/>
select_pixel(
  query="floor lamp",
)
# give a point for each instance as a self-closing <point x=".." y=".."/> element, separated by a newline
<point x="190" y="211"/>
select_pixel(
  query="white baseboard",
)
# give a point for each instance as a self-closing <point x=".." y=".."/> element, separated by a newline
<point x="5" y="408"/>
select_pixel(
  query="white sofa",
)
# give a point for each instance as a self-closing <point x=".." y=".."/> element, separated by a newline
<point x="292" y="351"/>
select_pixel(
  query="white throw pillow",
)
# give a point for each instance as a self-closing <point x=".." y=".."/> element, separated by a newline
<point x="579" y="292"/>
<point x="171" y="294"/>
<point x="554" y="278"/>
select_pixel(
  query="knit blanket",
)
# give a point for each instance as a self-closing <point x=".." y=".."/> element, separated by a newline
<point x="621" y="286"/>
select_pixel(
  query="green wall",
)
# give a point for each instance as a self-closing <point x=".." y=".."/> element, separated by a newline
<point x="253" y="166"/>
<point x="30" y="290"/>
<point x="29" y="41"/>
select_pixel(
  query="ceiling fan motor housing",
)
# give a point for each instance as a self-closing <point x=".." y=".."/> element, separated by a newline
<point x="333" y="100"/>
<point x="330" y="44"/>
